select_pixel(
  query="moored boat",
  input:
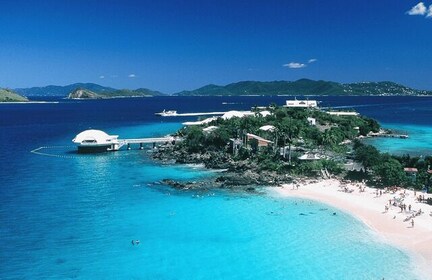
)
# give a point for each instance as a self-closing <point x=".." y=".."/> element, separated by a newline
<point x="168" y="113"/>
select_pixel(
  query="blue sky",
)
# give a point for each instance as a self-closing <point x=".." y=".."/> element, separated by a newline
<point x="176" y="45"/>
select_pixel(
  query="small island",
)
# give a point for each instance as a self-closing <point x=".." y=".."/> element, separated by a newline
<point x="281" y="144"/>
<point x="84" y="93"/>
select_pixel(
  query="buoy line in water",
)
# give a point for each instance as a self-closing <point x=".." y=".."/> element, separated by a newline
<point x="37" y="151"/>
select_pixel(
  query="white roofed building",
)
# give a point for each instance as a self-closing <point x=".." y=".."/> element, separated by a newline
<point x="267" y="128"/>
<point x="301" y="103"/>
<point x="238" y="114"/>
<point x="93" y="140"/>
<point x="311" y="121"/>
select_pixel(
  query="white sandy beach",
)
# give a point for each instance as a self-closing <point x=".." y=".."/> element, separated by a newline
<point x="369" y="207"/>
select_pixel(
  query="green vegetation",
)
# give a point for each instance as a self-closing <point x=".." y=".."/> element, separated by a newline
<point x="386" y="170"/>
<point x="7" y="95"/>
<point x="83" y="93"/>
<point x="95" y="88"/>
<point x="299" y="87"/>
<point x="291" y="138"/>
<point x="298" y="148"/>
<point x="306" y="87"/>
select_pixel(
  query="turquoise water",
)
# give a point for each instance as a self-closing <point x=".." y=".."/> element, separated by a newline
<point x="64" y="215"/>
<point x="419" y="141"/>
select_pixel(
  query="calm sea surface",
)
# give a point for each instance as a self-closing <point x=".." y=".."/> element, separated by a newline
<point x="64" y="215"/>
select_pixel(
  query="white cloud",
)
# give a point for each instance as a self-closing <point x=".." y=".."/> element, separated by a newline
<point x="101" y="77"/>
<point x="429" y="13"/>
<point x="312" y="60"/>
<point x="294" y="65"/>
<point x="132" y="76"/>
<point x="418" y="10"/>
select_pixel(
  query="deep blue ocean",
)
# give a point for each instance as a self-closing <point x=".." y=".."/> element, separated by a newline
<point x="64" y="215"/>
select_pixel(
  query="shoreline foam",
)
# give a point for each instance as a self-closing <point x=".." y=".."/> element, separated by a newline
<point x="370" y="209"/>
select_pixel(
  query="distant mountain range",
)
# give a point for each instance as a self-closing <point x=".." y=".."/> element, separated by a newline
<point x="100" y="91"/>
<point x="305" y="87"/>
<point x="299" y="87"/>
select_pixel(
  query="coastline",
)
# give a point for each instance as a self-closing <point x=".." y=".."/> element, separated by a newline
<point x="370" y="209"/>
<point x="29" y="102"/>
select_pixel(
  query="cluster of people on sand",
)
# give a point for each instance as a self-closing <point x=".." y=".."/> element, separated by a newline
<point x="399" y="202"/>
<point x="379" y="192"/>
<point x="347" y="190"/>
<point x="413" y="215"/>
<point x="421" y="198"/>
<point x="393" y="189"/>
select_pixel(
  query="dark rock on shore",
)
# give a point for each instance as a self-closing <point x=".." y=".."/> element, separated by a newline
<point x="242" y="175"/>
<point x="213" y="160"/>
<point x="236" y="179"/>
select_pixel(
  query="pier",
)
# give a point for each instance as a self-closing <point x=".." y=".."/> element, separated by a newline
<point x="388" y="135"/>
<point x="94" y="141"/>
<point x="142" y="141"/>
<point x="175" y="114"/>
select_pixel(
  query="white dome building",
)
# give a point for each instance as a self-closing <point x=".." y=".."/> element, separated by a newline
<point x="91" y="141"/>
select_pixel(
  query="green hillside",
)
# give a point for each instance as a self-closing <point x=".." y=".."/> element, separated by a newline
<point x="84" y="93"/>
<point x="105" y="92"/>
<point x="305" y="87"/>
<point x="7" y="95"/>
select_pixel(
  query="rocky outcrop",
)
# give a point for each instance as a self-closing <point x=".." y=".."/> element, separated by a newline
<point x="81" y="93"/>
<point x="212" y="160"/>
<point x="237" y="175"/>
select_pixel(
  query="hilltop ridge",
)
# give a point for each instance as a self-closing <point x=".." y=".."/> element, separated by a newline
<point x="97" y="91"/>
<point x="298" y="87"/>
<point x="85" y="93"/>
<point x="305" y="87"/>
<point x="7" y="95"/>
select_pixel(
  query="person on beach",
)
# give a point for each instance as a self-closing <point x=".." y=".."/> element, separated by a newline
<point x="409" y="207"/>
<point x="412" y="223"/>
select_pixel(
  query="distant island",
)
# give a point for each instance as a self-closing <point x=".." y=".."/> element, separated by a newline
<point x="82" y="93"/>
<point x="86" y="91"/>
<point x="7" y="95"/>
<point x="306" y="87"/>
<point x="244" y="88"/>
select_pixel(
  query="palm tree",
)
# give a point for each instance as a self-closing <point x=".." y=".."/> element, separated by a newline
<point x="287" y="130"/>
<point x="329" y="138"/>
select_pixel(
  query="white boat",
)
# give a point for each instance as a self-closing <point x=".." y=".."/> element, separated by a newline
<point x="167" y="113"/>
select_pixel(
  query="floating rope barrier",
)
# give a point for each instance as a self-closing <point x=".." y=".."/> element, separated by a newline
<point x="40" y="151"/>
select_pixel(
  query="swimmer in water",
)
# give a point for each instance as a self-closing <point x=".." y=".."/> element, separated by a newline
<point x="334" y="213"/>
<point x="133" y="243"/>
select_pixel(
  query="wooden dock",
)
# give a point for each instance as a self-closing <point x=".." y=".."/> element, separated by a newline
<point x="389" y="135"/>
<point x="198" y="114"/>
<point x="142" y="141"/>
